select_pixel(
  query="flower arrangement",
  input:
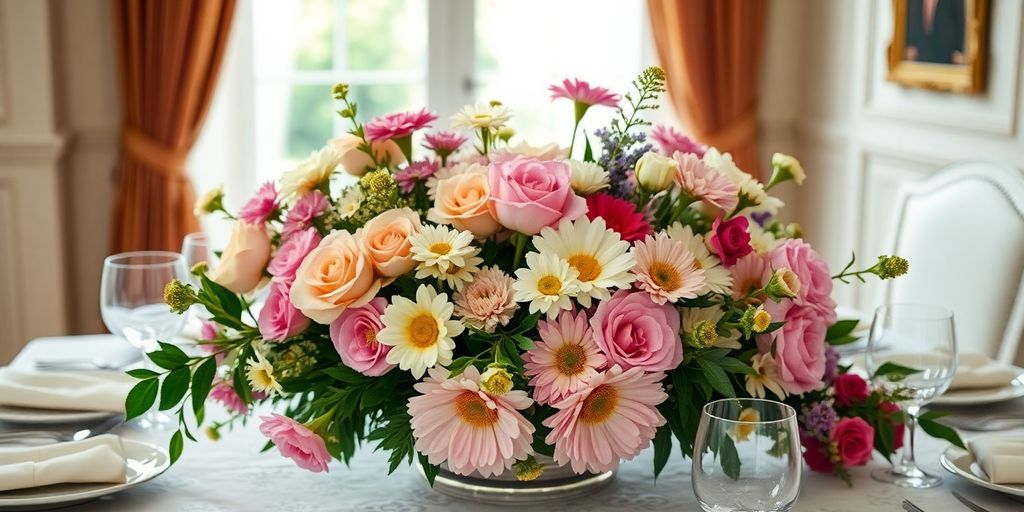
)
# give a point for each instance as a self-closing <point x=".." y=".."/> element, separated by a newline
<point x="480" y="302"/>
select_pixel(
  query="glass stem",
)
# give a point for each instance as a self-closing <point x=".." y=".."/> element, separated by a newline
<point x="907" y="462"/>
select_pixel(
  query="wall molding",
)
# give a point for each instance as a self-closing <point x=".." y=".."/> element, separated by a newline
<point x="5" y="105"/>
<point x="43" y="149"/>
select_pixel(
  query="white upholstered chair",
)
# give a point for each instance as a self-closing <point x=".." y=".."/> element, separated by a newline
<point x="962" y="229"/>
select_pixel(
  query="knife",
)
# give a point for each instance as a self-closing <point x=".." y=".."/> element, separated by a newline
<point x="968" y="503"/>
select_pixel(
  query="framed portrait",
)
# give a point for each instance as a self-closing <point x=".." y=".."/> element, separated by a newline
<point x="940" y="44"/>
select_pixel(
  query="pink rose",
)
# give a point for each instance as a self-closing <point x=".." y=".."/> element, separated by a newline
<point x="354" y="334"/>
<point x="854" y="439"/>
<point x="850" y="389"/>
<point x="816" y="454"/>
<point x="335" y="275"/>
<point x="528" y="194"/>
<point x="297" y="442"/>
<point x="889" y="409"/>
<point x="386" y="239"/>
<point x="730" y="239"/>
<point x="462" y="201"/>
<point x="291" y="253"/>
<point x="633" y="331"/>
<point x="799" y="348"/>
<point x="815" y="279"/>
<point x="244" y="258"/>
<point x="279" y="319"/>
<point x="261" y="206"/>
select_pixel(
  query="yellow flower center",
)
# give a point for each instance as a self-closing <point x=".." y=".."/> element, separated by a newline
<point x="473" y="410"/>
<point x="746" y="424"/>
<point x="665" y="276"/>
<point x="370" y="337"/>
<point x="762" y="319"/>
<point x="570" y="359"/>
<point x="262" y="378"/>
<point x="441" y="248"/>
<point x="600" y="404"/>
<point x="549" y="285"/>
<point x="423" y="331"/>
<point x="697" y="265"/>
<point x="588" y="266"/>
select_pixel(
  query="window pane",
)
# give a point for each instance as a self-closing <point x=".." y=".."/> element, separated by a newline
<point x="377" y="99"/>
<point x="386" y="34"/>
<point x="316" y="38"/>
<point x="310" y="119"/>
<point x="289" y="36"/>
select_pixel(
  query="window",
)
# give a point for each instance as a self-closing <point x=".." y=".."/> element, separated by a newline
<point x="273" y="105"/>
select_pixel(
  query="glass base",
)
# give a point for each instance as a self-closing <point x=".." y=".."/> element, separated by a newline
<point x="555" y="484"/>
<point x="912" y="479"/>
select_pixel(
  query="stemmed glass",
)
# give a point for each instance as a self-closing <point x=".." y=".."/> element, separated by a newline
<point x="196" y="249"/>
<point x="746" y="456"/>
<point x="919" y="337"/>
<point x="132" y="304"/>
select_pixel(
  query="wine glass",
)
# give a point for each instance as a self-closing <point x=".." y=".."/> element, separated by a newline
<point x="746" y="456"/>
<point x="196" y="249"/>
<point x="132" y="304"/>
<point x="919" y="337"/>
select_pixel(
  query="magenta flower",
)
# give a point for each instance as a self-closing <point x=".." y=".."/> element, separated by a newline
<point x="581" y="92"/>
<point x="223" y="392"/>
<point x="280" y="319"/>
<point x="297" y="442"/>
<point x="620" y="215"/>
<point x="291" y="253"/>
<point x="419" y="170"/>
<point x="397" y="125"/>
<point x="300" y="217"/>
<point x="443" y="143"/>
<point x="672" y="140"/>
<point x="261" y="206"/>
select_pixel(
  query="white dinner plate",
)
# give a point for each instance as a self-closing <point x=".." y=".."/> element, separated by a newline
<point x="961" y="463"/>
<point x="144" y="461"/>
<point x="32" y="416"/>
<point x="984" y="395"/>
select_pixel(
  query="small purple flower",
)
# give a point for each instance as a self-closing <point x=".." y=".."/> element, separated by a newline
<point x="819" y="420"/>
<point x="761" y="217"/>
<point x="831" y="364"/>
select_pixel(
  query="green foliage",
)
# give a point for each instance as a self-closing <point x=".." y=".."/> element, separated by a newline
<point x="662" y="449"/>
<point x="894" y="372"/>
<point x="928" y="422"/>
<point x="839" y="332"/>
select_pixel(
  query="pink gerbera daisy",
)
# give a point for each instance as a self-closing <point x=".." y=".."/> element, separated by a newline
<point x="300" y="216"/>
<point x="672" y="140"/>
<point x="614" y="417"/>
<point x="665" y="269"/>
<point x="619" y="215"/>
<point x="749" y="273"/>
<point x="581" y="92"/>
<point x="261" y="206"/>
<point x="455" y="421"/>
<point x="567" y="357"/>
<point x="419" y="170"/>
<point x="701" y="182"/>
<point x="397" y="125"/>
<point x="443" y="142"/>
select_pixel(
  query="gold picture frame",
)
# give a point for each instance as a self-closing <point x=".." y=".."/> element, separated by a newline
<point x="912" y="68"/>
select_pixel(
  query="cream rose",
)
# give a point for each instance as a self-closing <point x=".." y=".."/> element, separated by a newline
<point x="335" y="275"/>
<point x="655" y="172"/>
<point x="356" y="162"/>
<point x="386" y="239"/>
<point x="461" y="201"/>
<point x="241" y="264"/>
<point x="310" y="173"/>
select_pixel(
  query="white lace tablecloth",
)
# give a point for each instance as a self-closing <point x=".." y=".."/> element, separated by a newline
<point x="231" y="475"/>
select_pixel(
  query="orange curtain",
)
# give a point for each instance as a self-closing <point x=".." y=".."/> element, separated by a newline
<point x="711" y="53"/>
<point x="169" y="52"/>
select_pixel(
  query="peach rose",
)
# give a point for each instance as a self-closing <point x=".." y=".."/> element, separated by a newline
<point x="386" y="239"/>
<point x="461" y="201"/>
<point x="356" y="162"/>
<point x="241" y="265"/>
<point x="335" y="275"/>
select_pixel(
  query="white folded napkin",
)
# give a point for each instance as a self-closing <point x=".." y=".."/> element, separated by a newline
<point x="1002" y="458"/>
<point x="977" y="371"/>
<point x="95" y="460"/>
<point x="64" y="390"/>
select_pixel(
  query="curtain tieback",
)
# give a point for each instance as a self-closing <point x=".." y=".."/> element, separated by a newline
<point x="736" y="133"/>
<point x="153" y="153"/>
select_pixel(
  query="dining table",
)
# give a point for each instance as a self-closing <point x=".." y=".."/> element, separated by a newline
<point x="230" y="474"/>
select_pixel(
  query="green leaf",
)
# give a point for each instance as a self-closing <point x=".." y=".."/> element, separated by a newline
<point x="174" y="352"/>
<point x="175" y="446"/>
<point x="140" y="398"/>
<point x="167" y="361"/>
<point x="940" y="431"/>
<point x="202" y="381"/>
<point x="730" y="457"/>
<point x="893" y="371"/>
<point x="429" y="470"/>
<point x="142" y="373"/>
<point x="845" y="340"/>
<point x="523" y="342"/>
<point x="460" y="364"/>
<point x="662" y="449"/>
<point x="346" y="374"/>
<point x="542" y="447"/>
<point x="717" y="378"/>
<point x="588" y="151"/>
<point x="376" y="394"/>
<point x="840" y="329"/>
<point x="223" y="297"/>
<point x="733" y="365"/>
<point x="174" y="387"/>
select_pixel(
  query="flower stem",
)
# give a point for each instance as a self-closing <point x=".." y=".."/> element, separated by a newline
<point x="520" y="241"/>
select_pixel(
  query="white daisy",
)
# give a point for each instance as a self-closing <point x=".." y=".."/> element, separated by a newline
<point x="310" y="173"/>
<point x="350" y="202"/>
<point x="761" y="240"/>
<point x="598" y="254"/>
<point x="457" y="275"/>
<point x="420" y="333"/>
<point x="588" y="177"/>
<point x="547" y="283"/>
<point x="766" y="377"/>
<point x="261" y="375"/>
<point x="454" y="170"/>
<point x="717" y="279"/>
<point x="491" y="115"/>
<point x="692" y="318"/>
<point x="441" y="248"/>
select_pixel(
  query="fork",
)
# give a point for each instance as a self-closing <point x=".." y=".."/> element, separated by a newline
<point x="81" y="363"/>
<point x="910" y="507"/>
<point x="33" y="436"/>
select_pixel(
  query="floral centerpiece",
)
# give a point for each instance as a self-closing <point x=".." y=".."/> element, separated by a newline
<point x="479" y="302"/>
